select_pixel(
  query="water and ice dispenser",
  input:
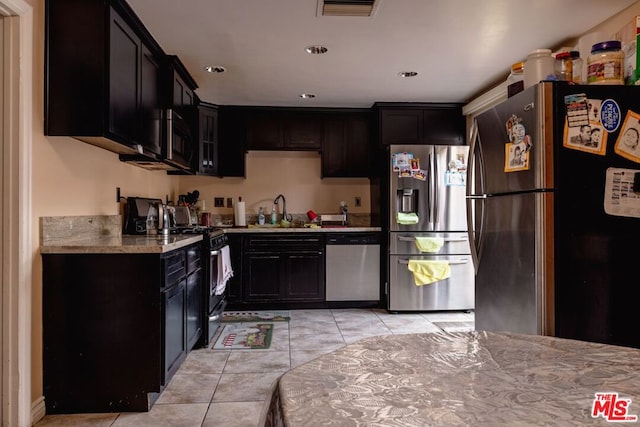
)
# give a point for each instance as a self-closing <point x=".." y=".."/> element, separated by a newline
<point x="407" y="200"/>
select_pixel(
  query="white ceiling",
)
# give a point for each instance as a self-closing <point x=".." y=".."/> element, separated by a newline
<point x="458" y="47"/>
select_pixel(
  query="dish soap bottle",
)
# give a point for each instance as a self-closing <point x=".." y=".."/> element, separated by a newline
<point x="274" y="216"/>
<point x="261" y="216"/>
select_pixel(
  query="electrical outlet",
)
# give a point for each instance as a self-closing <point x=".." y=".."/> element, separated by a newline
<point x="218" y="202"/>
<point x="118" y="194"/>
<point x="358" y="202"/>
<point x="229" y="202"/>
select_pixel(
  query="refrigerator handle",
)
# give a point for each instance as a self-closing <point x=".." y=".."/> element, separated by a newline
<point x="430" y="189"/>
<point x="436" y="195"/>
<point x="471" y="199"/>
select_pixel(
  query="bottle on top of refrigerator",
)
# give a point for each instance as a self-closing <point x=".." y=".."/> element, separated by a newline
<point x="564" y="66"/>
<point x="539" y="66"/>
<point x="605" y="64"/>
<point x="515" y="80"/>
<point x="577" y="67"/>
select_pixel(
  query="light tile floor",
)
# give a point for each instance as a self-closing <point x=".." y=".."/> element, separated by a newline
<point x="229" y="387"/>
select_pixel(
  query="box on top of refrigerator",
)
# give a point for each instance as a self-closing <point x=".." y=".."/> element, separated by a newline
<point x="629" y="37"/>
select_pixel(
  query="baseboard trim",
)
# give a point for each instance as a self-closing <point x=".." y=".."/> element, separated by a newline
<point x="38" y="410"/>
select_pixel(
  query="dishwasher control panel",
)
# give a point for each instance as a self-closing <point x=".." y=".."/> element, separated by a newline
<point x="353" y="239"/>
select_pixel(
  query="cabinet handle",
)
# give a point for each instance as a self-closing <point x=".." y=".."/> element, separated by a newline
<point x="169" y="130"/>
<point x="214" y="317"/>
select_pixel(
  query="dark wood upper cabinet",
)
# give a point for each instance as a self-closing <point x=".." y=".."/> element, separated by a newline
<point x="264" y="131"/>
<point x="182" y="85"/>
<point x="283" y="129"/>
<point x="420" y="123"/>
<point x="181" y="144"/>
<point x="231" y="142"/>
<point x="302" y="131"/>
<point x="346" y="144"/>
<point x="150" y="124"/>
<point x="207" y="132"/>
<point x="102" y="76"/>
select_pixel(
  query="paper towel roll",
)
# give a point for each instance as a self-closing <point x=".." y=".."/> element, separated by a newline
<point x="240" y="214"/>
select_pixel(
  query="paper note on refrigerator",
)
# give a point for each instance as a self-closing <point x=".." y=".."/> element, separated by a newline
<point x="622" y="192"/>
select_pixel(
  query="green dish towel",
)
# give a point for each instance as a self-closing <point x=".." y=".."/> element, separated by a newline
<point x="429" y="244"/>
<point x="427" y="272"/>
<point x="407" y="218"/>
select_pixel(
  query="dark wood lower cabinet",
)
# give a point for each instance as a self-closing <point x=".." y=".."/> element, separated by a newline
<point x="116" y="327"/>
<point x="283" y="270"/>
<point x="303" y="276"/>
<point x="284" y="277"/>
<point x="195" y="308"/>
<point x="175" y="345"/>
<point x="262" y="276"/>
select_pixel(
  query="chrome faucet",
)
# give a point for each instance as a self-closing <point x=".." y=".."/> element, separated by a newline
<point x="285" y="216"/>
<point x="344" y="209"/>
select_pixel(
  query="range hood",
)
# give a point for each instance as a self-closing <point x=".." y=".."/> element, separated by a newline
<point x="151" y="162"/>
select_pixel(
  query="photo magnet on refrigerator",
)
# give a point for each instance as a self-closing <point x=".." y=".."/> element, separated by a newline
<point x="518" y="147"/>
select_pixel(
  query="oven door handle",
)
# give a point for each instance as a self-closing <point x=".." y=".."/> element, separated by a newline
<point x="214" y="253"/>
<point x="214" y="317"/>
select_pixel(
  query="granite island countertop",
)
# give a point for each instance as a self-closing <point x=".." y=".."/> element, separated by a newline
<point x="102" y="234"/>
<point x="122" y="244"/>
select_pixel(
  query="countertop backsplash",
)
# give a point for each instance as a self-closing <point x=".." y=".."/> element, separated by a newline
<point x="353" y="219"/>
<point x="83" y="227"/>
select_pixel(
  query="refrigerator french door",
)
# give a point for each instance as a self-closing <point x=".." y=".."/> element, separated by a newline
<point x="429" y="206"/>
<point x="550" y="259"/>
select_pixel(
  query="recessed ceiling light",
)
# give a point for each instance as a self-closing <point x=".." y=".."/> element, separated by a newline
<point x="307" y="95"/>
<point x="214" y="69"/>
<point x="407" y="73"/>
<point x="316" y="50"/>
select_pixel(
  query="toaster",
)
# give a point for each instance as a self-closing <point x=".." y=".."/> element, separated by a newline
<point x="182" y="216"/>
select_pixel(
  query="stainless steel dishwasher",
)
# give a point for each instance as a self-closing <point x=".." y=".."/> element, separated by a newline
<point x="353" y="267"/>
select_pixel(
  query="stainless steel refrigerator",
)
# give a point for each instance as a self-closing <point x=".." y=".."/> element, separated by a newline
<point x="427" y="227"/>
<point x="554" y="213"/>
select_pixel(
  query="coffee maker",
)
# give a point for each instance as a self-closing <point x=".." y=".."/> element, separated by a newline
<point x="137" y="212"/>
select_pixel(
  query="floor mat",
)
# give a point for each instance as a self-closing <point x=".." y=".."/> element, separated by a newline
<point x="256" y="316"/>
<point x="247" y="336"/>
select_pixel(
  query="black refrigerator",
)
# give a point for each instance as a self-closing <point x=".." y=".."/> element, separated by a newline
<point x="553" y="205"/>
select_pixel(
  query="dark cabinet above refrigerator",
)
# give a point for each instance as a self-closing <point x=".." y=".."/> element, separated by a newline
<point x="420" y="123"/>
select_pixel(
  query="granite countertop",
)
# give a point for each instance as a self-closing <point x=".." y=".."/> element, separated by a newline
<point x="122" y="244"/>
<point x="274" y="229"/>
<point x="102" y="234"/>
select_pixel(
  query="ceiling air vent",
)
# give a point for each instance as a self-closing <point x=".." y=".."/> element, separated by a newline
<point x="346" y="7"/>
